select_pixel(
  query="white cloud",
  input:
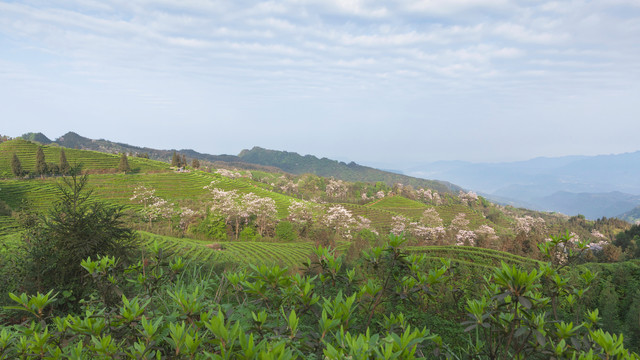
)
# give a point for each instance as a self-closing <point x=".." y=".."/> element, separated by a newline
<point x="341" y="59"/>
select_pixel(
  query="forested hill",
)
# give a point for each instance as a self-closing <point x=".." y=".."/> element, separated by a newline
<point x="297" y="164"/>
<point x="256" y="158"/>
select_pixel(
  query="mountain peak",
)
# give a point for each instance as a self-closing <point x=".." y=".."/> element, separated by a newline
<point x="37" y="137"/>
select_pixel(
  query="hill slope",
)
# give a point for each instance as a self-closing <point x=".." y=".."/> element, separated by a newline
<point x="259" y="158"/>
<point x="297" y="164"/>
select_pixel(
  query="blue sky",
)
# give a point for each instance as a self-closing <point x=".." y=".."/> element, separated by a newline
<point x="377" y="82"/>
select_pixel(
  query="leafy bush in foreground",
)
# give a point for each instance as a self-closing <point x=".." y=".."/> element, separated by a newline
<point x="158" y="308"/>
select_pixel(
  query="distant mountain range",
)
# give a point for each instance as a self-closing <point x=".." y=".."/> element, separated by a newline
<point x="257" y="157"/>
<point x="594" y="186"/>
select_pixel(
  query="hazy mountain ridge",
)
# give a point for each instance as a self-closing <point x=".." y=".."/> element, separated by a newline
<point x="603" y="185"/>
<point x="297" y="164"/>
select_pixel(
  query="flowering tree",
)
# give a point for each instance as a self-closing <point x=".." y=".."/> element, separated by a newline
<point x="430" y="217"/>
<point x="460" y="222"/>
<point x="339" y="219"/>
<point x="301" y="214"/>
<point x="288" y="186"/>
<point x="363" y="223"/>
<point x="528" y="224"/>
<point x="187" y="216"/>
<point x="228" y="173"/>
<point x="399" y="224"/>
<point x="155" y="207"/>
<point x="380" y="194"/>
<point x="264" y="209"/>
<point x="426" y="234"/>
<point x="437" y="200"/>
<point x="466" y="237"/>
<point x="468" y="198"/>
<point x="336" y="189"/>
<point x="425" y="195"/>
<point x="227" y="204"/>
<point x="486" y="236"/>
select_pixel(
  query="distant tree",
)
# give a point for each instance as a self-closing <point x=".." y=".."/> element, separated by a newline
<point x="143" y="155"/>
<point x="124" y="164"/>
<point x="53" y="169"/>
<point x="41" y="164"/>
<point x="16" y="166"/>
<point x="175" y="160"/>
<point x="64" y="164"/>
<point x="195" y="163"/>
<point x="183" y="163"/>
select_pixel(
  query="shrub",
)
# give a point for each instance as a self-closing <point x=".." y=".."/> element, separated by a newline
<point x="285" y="231"/>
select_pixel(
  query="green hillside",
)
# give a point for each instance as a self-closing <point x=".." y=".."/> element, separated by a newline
<point x="297" y="164"/>
<point x="92" y="161"/>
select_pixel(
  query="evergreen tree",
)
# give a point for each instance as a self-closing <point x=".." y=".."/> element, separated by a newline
<point x="124" y="164"/>
<point x="16" y="166"/>
<point x="195" y="163"/>
<point x="183" y="163"/>
<point x="175" y="160"/>
<point x="75" y="228"/>
<point x="41" y="164"/>
<point x="64" y="164"/>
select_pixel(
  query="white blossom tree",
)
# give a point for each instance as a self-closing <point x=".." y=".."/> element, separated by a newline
<point x="528" y="224"/>
<point x="155" y="207"/>
<point x="465" y="237"/>
<point x="399" y="224"/>
<point x="336" y="189"/>
<point x="227" y="204"/>
<point x="468" y="197"/>
<point x="486" y="236"/>
<point x="339" y="219"/>
<point x="431" y="218"/>
<point x="228" y="173"/>
<point x="187" y="216"/>
<point x="264" y="209"/>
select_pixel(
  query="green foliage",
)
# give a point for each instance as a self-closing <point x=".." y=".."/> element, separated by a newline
<point x="16" y="165"/>
<point x="63" y="164"/>
<point x="285" y="231"/>
<point x="629" y="241"/>
<point x="214" y="227"/>
<point x="249" y="233"/>
<point x="166" y="309"/>
<point x="76" y="227"/>
<point x="41" y="165"/>
<point x="123" y="166"/>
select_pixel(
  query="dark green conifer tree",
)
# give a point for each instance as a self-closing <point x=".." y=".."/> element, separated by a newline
<point x="41" y="164"/>
<point x="16" y="166"/>
<point x="64" y="164"/>
<point x="124" y="164"/>
<point x="175" y="160"/>
<point x="183" y="163"/>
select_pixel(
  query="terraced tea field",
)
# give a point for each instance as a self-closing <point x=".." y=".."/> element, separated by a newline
<point x="381" y="219"/>
<point x="243" y="253"/>
<point x="474" y="256"/>
<point x="400" y="205"/>
<point x="92" y="161"/>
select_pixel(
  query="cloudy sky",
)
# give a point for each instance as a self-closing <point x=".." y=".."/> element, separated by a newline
<point x="377" y="82"/>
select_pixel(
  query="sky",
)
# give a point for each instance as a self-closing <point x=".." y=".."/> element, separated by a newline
<point x="387" y="83"/>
